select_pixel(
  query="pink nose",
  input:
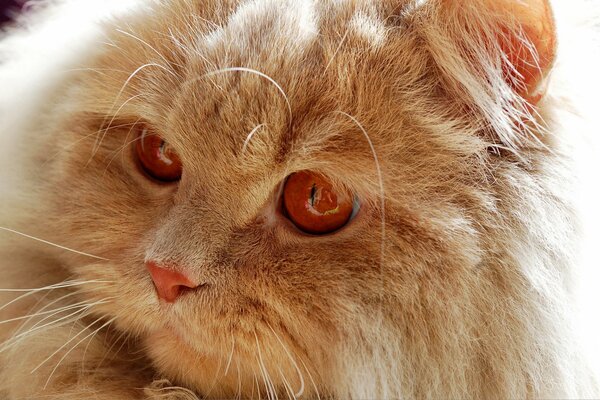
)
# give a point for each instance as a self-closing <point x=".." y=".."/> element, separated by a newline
<point x="169" y="283"/>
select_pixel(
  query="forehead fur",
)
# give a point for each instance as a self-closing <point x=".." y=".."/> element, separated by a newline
<point x="284" y="82"/>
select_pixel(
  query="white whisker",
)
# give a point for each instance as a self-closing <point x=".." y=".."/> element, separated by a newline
<point x="301" y="390"/>
<point x="37" y="327"/>
<point x="74" y="143"/>
<point x="338" y="48"/>
<point x="311" y="379"/>
<point x="250" y="135"/>
<point x="65" y="345"/>
<point x="239" y="380"/>
<point x="133" y="74"/>
<point x="61" y="285"/>
<point x="122" y="338"/>
<point x="255" y="72"/>
<point x="48" y="305"/>
<point x="230" y="356"/>
<point x="29" y="292"/>
<point x="382" y="205"/>
<point x="271" y="392"/>
<point x="58" y="310"/>
<point x="74" y="347"/>
<point x="119" y="150"/>
<point x="99" y="142"/>
<point x="255" y="384"/>
<point x="52" y="244"/>
<point x="287" y="386"/>
<point x="145" y="43"/>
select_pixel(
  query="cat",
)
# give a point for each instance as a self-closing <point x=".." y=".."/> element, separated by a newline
<point x="296" y="199"/>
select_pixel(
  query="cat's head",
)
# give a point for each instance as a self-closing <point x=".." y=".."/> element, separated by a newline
<point x="299" y="196"/>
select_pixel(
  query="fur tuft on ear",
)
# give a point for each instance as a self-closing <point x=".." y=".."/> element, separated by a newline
<point x="527" y="38"/>
<point x="496" y="55"/>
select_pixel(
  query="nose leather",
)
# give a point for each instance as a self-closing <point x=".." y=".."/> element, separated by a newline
<point x="169" y="282"/>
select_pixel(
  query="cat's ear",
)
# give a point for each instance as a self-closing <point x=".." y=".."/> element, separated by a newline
<point x="492" y="56"/>
<point x="518" y="36"/>
<point x="523" y="32"/>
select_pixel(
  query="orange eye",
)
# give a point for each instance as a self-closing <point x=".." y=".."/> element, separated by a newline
<point x="312" y="204"/>
<point x="157" y="158"/>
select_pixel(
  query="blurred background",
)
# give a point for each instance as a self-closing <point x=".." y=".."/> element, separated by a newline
<point x="9" y="9"/>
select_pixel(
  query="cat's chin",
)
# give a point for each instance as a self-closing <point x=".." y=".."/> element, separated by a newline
<point x="219" y="372"/>
<point x="184" y="364"/>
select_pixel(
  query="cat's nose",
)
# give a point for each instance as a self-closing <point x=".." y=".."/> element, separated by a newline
<point x="169" y="283"/>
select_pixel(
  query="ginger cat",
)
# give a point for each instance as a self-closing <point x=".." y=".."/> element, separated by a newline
<point x="293" y="199"/>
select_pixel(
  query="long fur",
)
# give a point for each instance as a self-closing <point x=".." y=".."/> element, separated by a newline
<point x="459" y="277"/>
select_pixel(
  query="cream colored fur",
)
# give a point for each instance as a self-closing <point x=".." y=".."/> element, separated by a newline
<point x="468" y="273"/>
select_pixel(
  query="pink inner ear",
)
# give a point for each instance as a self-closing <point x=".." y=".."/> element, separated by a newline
<point x="531" y="67"/>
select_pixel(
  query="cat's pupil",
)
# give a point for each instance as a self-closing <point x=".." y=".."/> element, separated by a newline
<point x="313" y="192"/>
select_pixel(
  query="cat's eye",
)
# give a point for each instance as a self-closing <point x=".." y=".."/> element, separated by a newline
<point x="156" y="157"/>
<point x="312" y="203"/>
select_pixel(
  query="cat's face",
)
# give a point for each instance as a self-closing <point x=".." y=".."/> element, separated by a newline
<point x="247" y="96"/>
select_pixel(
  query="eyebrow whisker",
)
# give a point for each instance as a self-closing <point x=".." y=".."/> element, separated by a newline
<point x="250" y="71"/>
<point x="251" y="135"/>
<point x="382" y="202"/>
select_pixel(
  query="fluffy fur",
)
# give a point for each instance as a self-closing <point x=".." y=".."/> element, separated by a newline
<point x="456" y="279"/>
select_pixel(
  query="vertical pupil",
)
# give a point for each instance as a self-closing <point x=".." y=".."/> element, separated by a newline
<point x="313" y="193"/>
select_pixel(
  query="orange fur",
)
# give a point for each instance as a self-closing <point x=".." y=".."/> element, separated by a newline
<point x="453" y="281"/>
